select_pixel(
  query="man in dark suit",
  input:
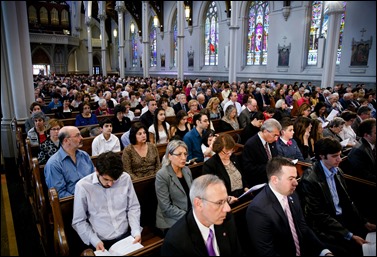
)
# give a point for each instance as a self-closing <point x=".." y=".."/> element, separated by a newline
<point x="210" y="206"/>
<point x="255" y="155"/>
<point x="268" y="220"/>
<point x="181" y="105"/>
<point x="247" y="114"/>
<point x="329" y="210"/>
<point x="362" y="157"/>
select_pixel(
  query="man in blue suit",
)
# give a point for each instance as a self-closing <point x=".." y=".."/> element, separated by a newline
<point x="268" y="219"/>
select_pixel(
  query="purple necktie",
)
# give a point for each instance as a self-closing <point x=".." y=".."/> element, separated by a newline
<point x="209" y="244"/>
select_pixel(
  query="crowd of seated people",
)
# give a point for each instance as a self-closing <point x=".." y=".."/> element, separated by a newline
<point x="282" y="131"/>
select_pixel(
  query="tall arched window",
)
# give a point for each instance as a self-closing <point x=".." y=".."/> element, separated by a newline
<point x="54" y="17"/>
<point x="134" y="49"/>
<point x="211" y="36"/>
<point x="32" y="14"/>
<point x="65" y="18"/>
<point x="257" y="34"/>
<point x="43" y="15"/>
<point x="318" y="29"/>
<point x="153" y="45"/>
<point x="175" y="43"/>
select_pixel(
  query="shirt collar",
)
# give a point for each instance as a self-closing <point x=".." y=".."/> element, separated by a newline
<point x="329" y="172"/>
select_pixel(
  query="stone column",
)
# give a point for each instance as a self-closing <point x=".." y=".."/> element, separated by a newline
<point x="88" y="23"/>
<point x="180" y="38"/>
<point x="334" y="12"/>
<point x="233" y="56"/>
<point x="145" y="31"/>
<point x="17" y="90"/>
<point x="102" y="18"/>
<point x="120" y="8"/>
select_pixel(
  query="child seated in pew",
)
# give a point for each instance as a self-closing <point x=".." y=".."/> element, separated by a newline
<point x="106" y="141"/>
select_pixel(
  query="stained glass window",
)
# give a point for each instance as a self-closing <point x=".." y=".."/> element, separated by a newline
<point x="54" y="17"/>
<point x="175" y="43"/>
<point x="134" y="49"/>
<point x="319" y="27"/>
<point x="257" y="34"/>
<point x="211" y="36"/>
<point x="153" y="46"/>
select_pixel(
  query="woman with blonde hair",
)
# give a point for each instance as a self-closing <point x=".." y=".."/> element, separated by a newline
<point x="193" y="109"/>
<point x="213" y="107"/>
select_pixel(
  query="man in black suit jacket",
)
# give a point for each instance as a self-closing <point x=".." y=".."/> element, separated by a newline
<point x="362" y="157"/>
<point x="255" y="156"/>
<point x="181" y="105"/>
<point x="210" y="206"/>
<point x="329" y="210"/>
<point x="268" y="225"/>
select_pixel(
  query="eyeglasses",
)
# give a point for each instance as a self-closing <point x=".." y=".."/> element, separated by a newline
<point x="220" y="203"/>
<point x="180" y="154"/>
<point x="228" y="153"/>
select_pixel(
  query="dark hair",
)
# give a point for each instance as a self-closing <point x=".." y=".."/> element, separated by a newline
<point x="110" y="163"/>
<point x="223" y="141"/>
<point x="179" y="116"/>
<point x="35" y="104"/>
<point x="81" y="106"/>
<point x="363" y="110"/>
<point x="314" y="130"/>
<point x="162" y="100"/>
<point x="119" y="108"/>
<point x="286" y="122"/>
<point x="197" y="117"/>
<point x="206" y="135"/>
<point x="258" y="116"/>
<point x="366" y="127"/>
<point x="348" y="115"/>
<point x="155" y="125"/>
<point x="325" y="146"/>
<point x="317" y="107"/>
<point x="299" y="127"/>
<point x="275" y="165"/>
<point x="104" y="121"/>
<point x="134" y="129"/>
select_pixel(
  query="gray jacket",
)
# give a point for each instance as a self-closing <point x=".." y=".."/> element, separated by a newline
<point x="171" y="197"/>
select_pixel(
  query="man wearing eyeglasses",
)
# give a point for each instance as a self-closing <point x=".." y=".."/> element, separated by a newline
<point x="106" y="208"/>
<point x="258" y="150"/>
<point x="208" y="229"/>
<point x="69" y="164"/>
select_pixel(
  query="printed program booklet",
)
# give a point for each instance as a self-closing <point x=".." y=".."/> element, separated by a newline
<point x="122" y="247"/>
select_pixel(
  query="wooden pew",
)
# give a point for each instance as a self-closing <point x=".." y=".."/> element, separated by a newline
<point x="65" y="236"/>
<point x="71" y="121"/>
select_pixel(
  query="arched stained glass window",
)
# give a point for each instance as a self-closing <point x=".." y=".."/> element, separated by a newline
<point x="65" y="18"/>
<point x="54" y="17"/>
<point x="153" y="46"/>
<point x="211" y="36"/>
<point x="257" y="35"/>
<point x="134" y="49"/>
<point x="32" y="14"/>
<point x="175" y="43"/>
<point x="43" y="15"/>
<point x="319" y="27"/>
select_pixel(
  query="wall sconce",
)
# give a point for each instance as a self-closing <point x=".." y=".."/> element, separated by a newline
<point x="132" y="27"/>
<point x="155" y="21"/>
<point x="115" y="33"/>
<point x="100" y="37"/>
<point x="187" y="13"/>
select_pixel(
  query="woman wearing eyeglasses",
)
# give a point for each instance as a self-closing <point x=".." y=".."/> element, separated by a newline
<point x="225" y="165"/>
<point x="51" y="145"/>
<point x="173" y="182"/>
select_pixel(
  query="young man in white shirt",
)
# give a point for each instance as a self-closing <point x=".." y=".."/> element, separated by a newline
<point x="105" y="141"/>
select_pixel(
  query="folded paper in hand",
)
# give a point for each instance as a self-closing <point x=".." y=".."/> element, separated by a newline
<point x="256" y="187"/>
<point x="344" y="143"/>
<point x="122" y="247"/>
<point x="369" y="249"/>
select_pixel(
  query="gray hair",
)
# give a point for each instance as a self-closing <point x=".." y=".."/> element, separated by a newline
<point x="270" y="125"/>
<point x="336" y="122"/>
<point x="279" y="103"/>
<point x="170" y="148"/>
<point x="200" y="184"/>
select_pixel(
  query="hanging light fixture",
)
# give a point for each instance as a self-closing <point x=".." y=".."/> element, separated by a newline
<point x="155" y="21"/>
<point x="115" y="33"/>
<point x="132" y="27"/>
<point x="187" y="12"/>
